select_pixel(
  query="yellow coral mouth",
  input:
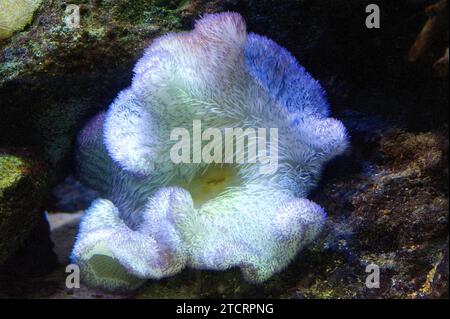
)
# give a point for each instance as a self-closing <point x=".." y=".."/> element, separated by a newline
<point x="211" y="183"/>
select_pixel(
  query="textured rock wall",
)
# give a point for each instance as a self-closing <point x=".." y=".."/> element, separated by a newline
<point x="25" y="248"/>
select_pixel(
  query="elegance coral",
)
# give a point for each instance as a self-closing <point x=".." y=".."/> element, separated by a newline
<point x="156" y="217"/>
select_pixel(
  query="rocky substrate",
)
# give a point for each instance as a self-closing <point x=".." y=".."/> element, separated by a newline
<point x="25" y="249"/>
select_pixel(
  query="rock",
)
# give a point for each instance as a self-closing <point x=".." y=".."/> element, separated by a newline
<point x="433" y="37"/>
<point x="69" y="74"/>
<point x="111" y="33"/>
<point x="392" y="212"/>
<point x="15" y="15"/>
<point x="438" y="283"/>
<point x="25" y="248"/>
<point x="64" y="228"/>
<point x="72" y="196"/>
<point x="21" y="187"/>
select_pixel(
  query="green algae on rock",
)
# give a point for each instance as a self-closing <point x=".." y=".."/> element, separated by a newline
<point x="22" y="184"/>
<point x="15" y="15"/>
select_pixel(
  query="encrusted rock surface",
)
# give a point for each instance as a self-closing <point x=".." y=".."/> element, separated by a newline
<point x="68" y="74"/>
<point x="22" y="184"/>
<point x="25" y="248"/>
